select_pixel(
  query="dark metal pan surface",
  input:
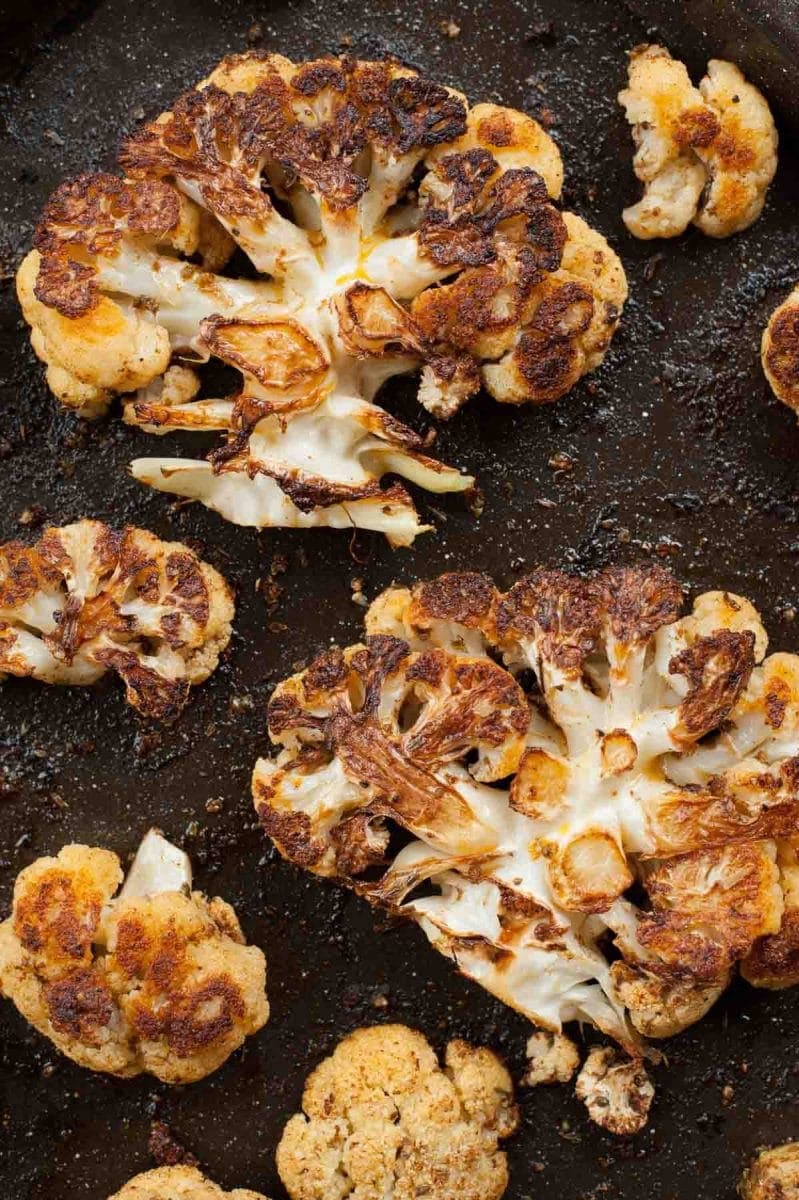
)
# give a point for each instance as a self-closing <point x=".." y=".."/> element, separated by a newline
<point x="679" y="450"/>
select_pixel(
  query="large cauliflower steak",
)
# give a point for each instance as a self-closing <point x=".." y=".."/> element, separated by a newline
<point x="382" y="1118"/>
<point x="649" y="749"/>
<point x="86" y="599"/>
<point x="155" y="979"/>
<point x="178" y="1183"/>
<point x="704" y="155"/>
<point x="354" y="188"/>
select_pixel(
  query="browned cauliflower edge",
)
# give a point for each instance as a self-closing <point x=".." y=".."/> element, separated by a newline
<point x="392" y="185"/>
<point x="774" y="1174"/>
<point x="779" y="352"/>
<point x="616" y="1090"/>
<point x="86" y="599"/>
<point x="381" y="1117"/>
<point x="179" y="1183"/>
<point x="154" y="978"/>
<point x="705" y="155"/>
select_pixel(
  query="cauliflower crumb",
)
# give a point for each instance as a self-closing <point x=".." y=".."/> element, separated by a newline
<point x="86" y="599"/>
<point x="706" y="155"/>
<point x="154" y="979"/>
<point x="552" y="1058"/>
<point x="381" y="1117"/>
<point x="774" y="1174"/>
<point x="779" y="351"/>
<point x="178" y="1183"/>
<point x="616" y="1091"/>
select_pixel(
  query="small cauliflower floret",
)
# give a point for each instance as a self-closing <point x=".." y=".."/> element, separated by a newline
<point x="154" y="979"/>
<point x="178" y="1183"/>
<point x="551" y="1058"/>
<point x="643" y="791"/>
<point x="354" y="188"/>
<point x="381" y="1117"/>
<point x="705" y="156"/>
<point x="779" y="351"/>
<point x="774" y="1174"/>
<point x="86" y="599"/>
<point x="616" y="1090"/>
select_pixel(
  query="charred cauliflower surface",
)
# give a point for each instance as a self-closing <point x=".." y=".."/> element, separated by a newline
<point x="774" y="1175"/>
<point x="382" y="1118"/>
<point x="86" y="599"/>
<point x="704" y="155"/>
<point x="178" y="1183"/>
<point x="544" y="750"/>
<point x="157" y="979"/>
<point x="354" y="188"/>
<point x="780" y="351"/>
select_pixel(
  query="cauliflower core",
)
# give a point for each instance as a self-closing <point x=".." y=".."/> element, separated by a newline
<point x="704" y="155"/>
<point x="178" y="1183"/>
<point x="774" y="1175"/>
<point x="779" y="351"/>
<point x="354" y="188"/>
<point x="86" y="599"/>
<point x="542" y="751"/>
<point x="382" y="1118"/>
<point x="156" y="979"/>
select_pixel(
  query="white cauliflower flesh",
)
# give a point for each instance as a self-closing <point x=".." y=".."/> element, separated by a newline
<point x="551" y="1058"/>
<point x="616" y="1091"/>
<point x="154" y="978"/>
<point x="704" y="155"/>
<point x="178" y="1183"/>
<point x="649" y="749"/>
<point x="86" y="599"/>
<point x="391" y="186"/>
<point x="382" y="1118"/>
<point x="779" y="351"/>
<point x="774" y="1174"/>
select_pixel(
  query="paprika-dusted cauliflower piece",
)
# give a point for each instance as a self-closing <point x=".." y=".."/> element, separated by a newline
<point x="704" y="155"/>
<point x="154" y="978"/>
<point x="178" y="1183"/>
<point x="616" y="1091"/>
<point x="86" y="599"/>
<point x="779" y="352"/>
<point x="642" y="789"/>
<point x="354" y="188"/>
<point x="382" y="1118"/>
<point x="774" y="1174"/>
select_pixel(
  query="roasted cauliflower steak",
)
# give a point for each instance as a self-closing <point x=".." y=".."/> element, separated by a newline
<point x="86" y="599"/>
<point x="779" y="352"/>
<point x="178" y="1183"/>
<point x="535" y="775"/>
<point x="354" y="189"/>
<point x="705" y="155"/>
<point x="153" y="978"/>
<point x="382" y="1118"/>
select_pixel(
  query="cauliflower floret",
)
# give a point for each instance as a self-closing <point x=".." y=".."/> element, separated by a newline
<point x="155" y="979"/>
<point x="705" y="155"/>
<point x="178" y="1183"/>
<point x="616" y="1090"/>
<point x="651" y="751"/>
<point x="551" y="1058"/>
<point x="313" y="173"/>
<point x="774" y="1174"/>
<point x="779" y="351"/>
<point x="381" y="1117"/>
<point x="86" y="599"/>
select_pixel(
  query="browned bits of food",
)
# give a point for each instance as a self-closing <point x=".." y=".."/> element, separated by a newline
<point x="178" y="1183"/>
<point x="155" y="979"/>
<point x="382" y="1118"/>
<point x="704" y="155"/>
<point x="779" y="351"/>
<point x="544" y="749"/>
<point x="86" y="599"/>
<point x="774" y="1174"/>
<point x="616" y="1091"/>
<point x="355" y="189"/>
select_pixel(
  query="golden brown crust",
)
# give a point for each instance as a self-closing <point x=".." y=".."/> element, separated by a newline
<point x="780" y="351"/>
<point x="773" y="1175"/>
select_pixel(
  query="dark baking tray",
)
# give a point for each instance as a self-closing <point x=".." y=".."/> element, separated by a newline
<point x="680" y="452"/>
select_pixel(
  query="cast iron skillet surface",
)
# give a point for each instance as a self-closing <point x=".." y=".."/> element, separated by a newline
<point x="679" y="452"/>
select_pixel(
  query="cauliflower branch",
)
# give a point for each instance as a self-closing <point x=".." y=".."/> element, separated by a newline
<point x="780" y="351"/>
<point x="704" y="155"/>
<point x="86" y="599"/>
<point x="154" y="979"/>
<point x="354" y="188"/>
<point x="774" y="1174"/>
<point x="616" y="1091"/>
<point x="652" y="749"/>
<point x="178" y="1183"/>
<point x="382" y="1118"/>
